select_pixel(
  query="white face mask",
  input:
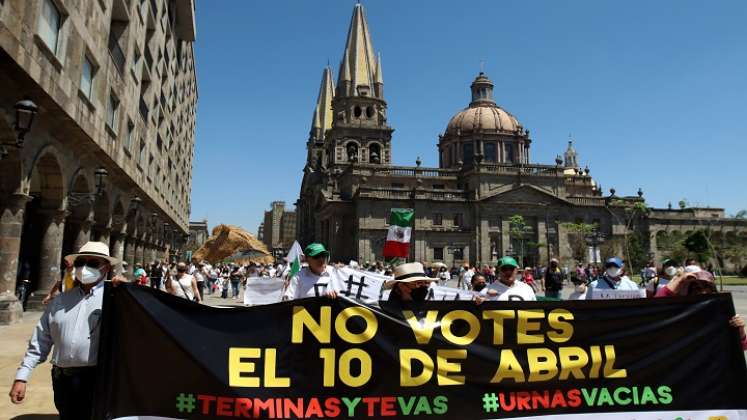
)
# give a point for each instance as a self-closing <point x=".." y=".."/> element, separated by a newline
<point x="614" y="271"/>
<point x="87" y="275"/>
<point x="670" y="271"/>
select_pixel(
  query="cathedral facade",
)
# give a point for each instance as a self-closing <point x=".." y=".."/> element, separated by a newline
<point x="466" y="208"/>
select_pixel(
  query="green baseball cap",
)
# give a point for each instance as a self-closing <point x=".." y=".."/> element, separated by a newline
<point x="315" y="249"/>
<point x="669" y="261"/>
<point x="507" y="261"/>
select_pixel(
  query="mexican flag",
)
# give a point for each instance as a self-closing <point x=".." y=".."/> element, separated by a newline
<point x="294" y="259"/>
<point x="398" y="237"/>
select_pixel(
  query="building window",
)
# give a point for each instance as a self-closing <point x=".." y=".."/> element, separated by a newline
<point x="438" y="219"/>
<point x="112" y="113"/>
<point x="458" y="219"/>
<point x="438" y="254"/>
<point x="438" y="186"/>
<point x="467" y="153"/>
<point x="490" y="152"/>
<point x="510" y="153"/>
<point x="130" y="133"/>
<point x="141" y="155"/>
<point x="398" y="185"/>
<point x="458" y="253"/>
<point x="86" y="77"/>
<point x="49" y="25"/>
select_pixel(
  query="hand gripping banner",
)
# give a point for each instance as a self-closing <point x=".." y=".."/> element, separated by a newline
<point x="165" y="357"/>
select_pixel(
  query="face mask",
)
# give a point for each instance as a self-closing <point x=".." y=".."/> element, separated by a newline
<point x="614" y="271"/>
<point x="419" y="293"/>
<point x="479" y="287"/>
<point x="671" y="271"/>
<point x="580" y="288"/>
<point x="87" y="275"/>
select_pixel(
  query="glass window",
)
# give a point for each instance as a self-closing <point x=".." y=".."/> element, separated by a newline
<point x="86" y="78"/>
<point x="458" y="253"/>
<point x="49" y="24"/>
<point x="490" y="152"/>
<point x="438" y="253"/>
<point x="130" y="133"/>
<point x="112" y="112"/>
<point x="458" y="219"/>
<point x="510" y="153"/>
<point x="438" y="219"/>
<point x="467" y="152"/>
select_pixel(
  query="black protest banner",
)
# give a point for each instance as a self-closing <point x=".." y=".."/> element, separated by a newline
<point x="323" y="358"/>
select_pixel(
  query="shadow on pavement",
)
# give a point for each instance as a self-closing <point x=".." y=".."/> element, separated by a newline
<point x="36" y="417"/>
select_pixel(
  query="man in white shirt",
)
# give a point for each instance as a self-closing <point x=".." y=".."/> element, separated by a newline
<point x="70" y="328"/>
<point x="613" y="278"/>
<point x="317" y="272"/>
<point x="507" y="287"/>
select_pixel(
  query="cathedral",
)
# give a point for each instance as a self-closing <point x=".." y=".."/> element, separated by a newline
<point x="466" y="208"/>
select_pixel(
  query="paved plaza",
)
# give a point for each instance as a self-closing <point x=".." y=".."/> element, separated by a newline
<point x="39" y="404"/>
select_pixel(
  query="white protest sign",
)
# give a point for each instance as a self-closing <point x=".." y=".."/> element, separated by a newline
<point x="436" y="292"/>
<point x="262" y="290"/>
<point x="364" y="286"/>
<point x="607" y="294"/>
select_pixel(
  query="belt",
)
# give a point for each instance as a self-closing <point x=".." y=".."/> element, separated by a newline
<point x="74" y="371"/>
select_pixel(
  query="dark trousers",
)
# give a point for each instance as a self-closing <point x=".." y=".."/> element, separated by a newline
<point x="73" y="392"/>
<point x="235" y="288"/>
<point x="155" y="282"/>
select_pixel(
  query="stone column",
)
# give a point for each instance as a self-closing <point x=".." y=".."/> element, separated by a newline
<point x="83" y="234"/>
<point x="129" y="251"/>
<point x="505" y="236"/>
<point x="542" y="239"/>
<point x="50" y="255"/>
<point x="139" y="257"/>
<point x="11" y="228"/>
<point x="105" y="235"/>
<point x="117" y="250"/>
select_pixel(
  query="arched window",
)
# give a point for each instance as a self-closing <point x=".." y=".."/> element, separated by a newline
<point x="357" y="111"/>
<point x="490" y="151"/>
<point x="352" y="150"/>
<point x="374" y="153"/>
<point x="467" y="153"/>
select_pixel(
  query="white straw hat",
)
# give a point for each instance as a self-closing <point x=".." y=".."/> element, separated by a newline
<point x="406" y="273"/>
<point x="92" y="249"/>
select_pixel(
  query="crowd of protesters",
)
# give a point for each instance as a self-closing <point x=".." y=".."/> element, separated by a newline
<point x="78" y="295"/>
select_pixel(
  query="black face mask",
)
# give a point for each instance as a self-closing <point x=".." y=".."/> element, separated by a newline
<point x="419" y="293"/>
<point x="479" y="287"/>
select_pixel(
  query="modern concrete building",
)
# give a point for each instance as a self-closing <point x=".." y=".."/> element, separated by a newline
<point x="109" y="154"/>
<point x="278" y="231"/>
<point x="464" y="207"/>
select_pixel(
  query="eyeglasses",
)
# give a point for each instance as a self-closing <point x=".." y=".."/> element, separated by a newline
<point x="93" y="263"/>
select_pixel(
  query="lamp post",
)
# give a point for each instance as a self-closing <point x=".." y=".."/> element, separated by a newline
<point x="26" y="110"/>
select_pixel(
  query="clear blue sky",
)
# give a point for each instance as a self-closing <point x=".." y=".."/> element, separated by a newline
<point x="653" y="92"/>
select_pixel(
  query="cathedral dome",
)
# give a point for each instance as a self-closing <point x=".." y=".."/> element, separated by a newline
<point x="483" y="115"/>
<point x="483" y="118"/>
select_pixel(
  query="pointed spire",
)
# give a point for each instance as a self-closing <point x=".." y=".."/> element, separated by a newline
<point x="322" y="120"/>
<point x="379" y="74"/>
<point x="358" y="60"/>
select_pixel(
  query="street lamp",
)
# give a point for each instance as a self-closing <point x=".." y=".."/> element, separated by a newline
<point x="100" y="174"/>
<point x="25" y="112"/>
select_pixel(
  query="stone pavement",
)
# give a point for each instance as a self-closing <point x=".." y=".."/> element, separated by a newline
<point x="39" y="404"/>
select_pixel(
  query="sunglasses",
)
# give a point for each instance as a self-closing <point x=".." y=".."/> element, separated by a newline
<point x="93" y="263"/>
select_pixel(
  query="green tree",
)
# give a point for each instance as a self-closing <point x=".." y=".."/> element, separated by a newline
<point x="633" y="244"/>
<point x="578" y="235"/>
<point x="682" y="204"/>
<point x="519" y="231"/>
<point x="741" y="214"/>
<point x="699" y="246"/>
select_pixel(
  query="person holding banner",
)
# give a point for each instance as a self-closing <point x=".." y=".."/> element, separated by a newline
<point x="317" y="271"/>
<point x="700" y="283"/>
<point x="410" y="284"/>
<point x="507" y="287"/>
<point x="70" y="329"/>
<point x="669" y="269"/>
<point x="614" y="277"/>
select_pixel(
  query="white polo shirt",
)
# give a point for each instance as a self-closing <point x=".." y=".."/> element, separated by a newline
<point x="302" y="284"/>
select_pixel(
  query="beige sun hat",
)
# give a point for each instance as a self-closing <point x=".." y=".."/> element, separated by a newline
<point x="406" y="273"/>
<point x="92" y="249"/>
